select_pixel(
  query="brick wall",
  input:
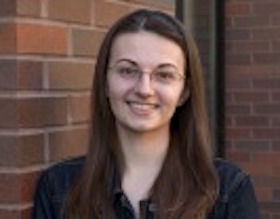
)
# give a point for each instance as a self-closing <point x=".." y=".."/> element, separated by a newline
<point x="47" y="54"/>
<point x="252" y="95"/>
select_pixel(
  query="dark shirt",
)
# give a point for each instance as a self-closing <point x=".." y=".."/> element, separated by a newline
<point x="236" y="198"/>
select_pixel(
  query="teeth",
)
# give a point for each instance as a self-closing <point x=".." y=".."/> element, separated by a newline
<point x="142" y="106"/>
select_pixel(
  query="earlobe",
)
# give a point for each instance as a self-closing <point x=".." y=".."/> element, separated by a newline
<point x="184" y="96"/>
<point x="107" y="89"/>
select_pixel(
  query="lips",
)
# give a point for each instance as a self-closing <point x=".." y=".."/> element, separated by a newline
<point x="142" y="108"/>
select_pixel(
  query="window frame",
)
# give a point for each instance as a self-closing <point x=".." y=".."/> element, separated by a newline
<point x="216" y="71"/>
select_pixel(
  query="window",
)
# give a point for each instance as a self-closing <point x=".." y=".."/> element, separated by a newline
<point x="205" y="21"/>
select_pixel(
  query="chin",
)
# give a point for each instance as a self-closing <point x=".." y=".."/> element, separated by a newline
<point x="141" y="128"/>
<point x="144" y="128"/>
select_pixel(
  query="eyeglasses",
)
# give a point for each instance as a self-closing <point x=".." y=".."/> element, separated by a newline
<point x="164" y="75"/>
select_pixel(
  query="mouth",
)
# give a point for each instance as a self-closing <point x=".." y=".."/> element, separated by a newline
<point x="142" y="108"/>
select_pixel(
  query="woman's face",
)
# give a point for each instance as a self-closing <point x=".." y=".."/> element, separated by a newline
<point x="145" y="80"/>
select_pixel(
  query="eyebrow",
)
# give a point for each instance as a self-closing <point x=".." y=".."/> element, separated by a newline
<point x="163" y="65"/>
<point x="127" y="60"/>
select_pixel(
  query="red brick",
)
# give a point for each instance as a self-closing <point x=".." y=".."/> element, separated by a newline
<point x="8" y="113"/>
<point x="266" y="133"/>
<point x="232" y="8"/>
<point x="27" y="186"/>
<point x="261" y="1"/>
<point x="10" y="188"/>
<point x="161" y="4"/>
<point x="238" y="156"/>
<point x="275" y="216"/>
<point x="238" y="84"/>
<point x="275" y="169"/>
<point x="20" y="74"/>
<point x="40" y="112"/>
<point x="271" y="207"/>
<point x="238" y="72"/>
<point x="267" y="181"/>
<point x="276" y="19"/>
<point x="29" y="75"/>
<point x="266" y="8"/>
<point x="265" y="215"/>
<point x="7" y="38"/>
<point x="228" y="121"/>
<point x="276" y="146"/>
<point x="238" y="59"/>
<point x="106" y="13"/>
<point x="258" y="169"/>
<point x="267" y="83"/>
<point x="229" y="97"/>
<point x="276" y="45"/>
<point x="248" y="46"/>
<point x="68" y="143"/>
<point x="80" y="108"/>
<point x="17" y="188"/>
<point x="28" y="8"/>
<point x="69" y="10"/>
<point x="8" y="8"/>
<point x="275" y="121"/>
<point x="263" y="193"/>
<point x="252" y="121"/>
<point x="238" y="109"/>
<point x="93" y="39"/>
<point x="267" y="109"/>
<point x="15" y="214"/>
<point x="229" y="144"/>
<point x="276" y="194"/>
<point x="238" y="133"/>
<point x="252" y="21"/>
<point x="8" y="74"/>
<point x="41" y="39"/>
<point x="267" y="57"/>
<point x="267" y="34"/>
<point x="21" y="151"/>
<point x="252" y="146"/>
<point x="251" y="96"/>
<point x="70" y="76"/>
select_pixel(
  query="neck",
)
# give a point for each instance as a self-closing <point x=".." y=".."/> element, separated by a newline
<point x="144" y="150"/>
<point x="144" y="154"/>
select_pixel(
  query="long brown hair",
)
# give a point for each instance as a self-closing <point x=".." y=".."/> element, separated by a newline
<point x="192" y="190"/>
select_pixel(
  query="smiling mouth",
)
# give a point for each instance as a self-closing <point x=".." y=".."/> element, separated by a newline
<point x="142" y="108"/>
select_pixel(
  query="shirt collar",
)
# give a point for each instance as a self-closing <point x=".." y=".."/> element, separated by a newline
<point x="118" y="193"/>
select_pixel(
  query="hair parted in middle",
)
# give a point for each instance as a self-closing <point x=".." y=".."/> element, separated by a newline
<point x="192" y="191"/>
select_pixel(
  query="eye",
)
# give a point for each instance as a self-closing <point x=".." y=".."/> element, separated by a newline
<point x="125" y="71"/>
<point x="165" y="76"/>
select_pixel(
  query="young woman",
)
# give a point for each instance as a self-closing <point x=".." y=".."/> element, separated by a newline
<point x="150" y="154"/>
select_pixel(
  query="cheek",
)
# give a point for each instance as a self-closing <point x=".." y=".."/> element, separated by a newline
<point x="112" y="93"/>
<point x="170" y="100"/>
<point x="175" y="96"/>
<point x="115" y="91"/>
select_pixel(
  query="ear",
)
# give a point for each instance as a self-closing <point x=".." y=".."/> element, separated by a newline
<point x="106" y="87"/>
<point x="184" y="96"/>
<point x="106" y="90"/>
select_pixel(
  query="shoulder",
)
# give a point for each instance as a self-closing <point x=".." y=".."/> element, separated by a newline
<point x="53" y="186"/>
<point x="231" y="177"/>
<point x="65" y="168"/>
<point x="227" y="169"/>
<point x="59" y="177"/>
<point x="236" y="198"/>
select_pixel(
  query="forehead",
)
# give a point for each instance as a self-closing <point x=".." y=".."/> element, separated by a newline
<point x="146" y="48"/>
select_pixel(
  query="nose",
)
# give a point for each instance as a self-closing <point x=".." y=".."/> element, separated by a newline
<point x="144" y="86"/>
